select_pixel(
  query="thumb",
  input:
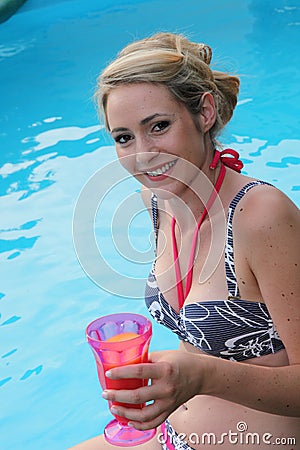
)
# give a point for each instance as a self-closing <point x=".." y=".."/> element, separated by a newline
<point x="156" y="356"/>
<point x="163" y="355"/>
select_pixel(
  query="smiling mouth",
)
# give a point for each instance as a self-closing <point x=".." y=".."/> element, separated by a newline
<point x="162" y="170"/>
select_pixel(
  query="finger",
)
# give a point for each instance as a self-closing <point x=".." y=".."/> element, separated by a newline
<point x="148" y="425"/>
<point x="143" y="371"/>
<point x="149" y="416"/>
<point x="134" y="396"/>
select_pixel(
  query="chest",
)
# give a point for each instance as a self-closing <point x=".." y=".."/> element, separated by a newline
<point x="218" y="257"/>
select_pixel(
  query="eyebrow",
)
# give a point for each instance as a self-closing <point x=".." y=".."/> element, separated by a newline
<point x="143" y="121"/>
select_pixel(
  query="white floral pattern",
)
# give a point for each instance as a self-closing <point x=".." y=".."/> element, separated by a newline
<point x="174" y="439"/>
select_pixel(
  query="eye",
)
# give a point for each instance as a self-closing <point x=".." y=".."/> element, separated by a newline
<point x="161" y="126"/>
<point x="123" y="139"/>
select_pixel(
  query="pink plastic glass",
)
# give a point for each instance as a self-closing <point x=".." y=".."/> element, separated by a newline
<point x="113" y="354"/>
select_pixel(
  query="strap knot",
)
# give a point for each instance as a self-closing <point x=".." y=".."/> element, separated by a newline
<point x="232" y="161"/>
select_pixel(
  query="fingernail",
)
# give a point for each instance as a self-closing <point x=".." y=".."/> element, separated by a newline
<point x="108" y="373"/>
<point x="105" y="395"/>
<point x="130" y="424"/>
<point x="114" y="410"/>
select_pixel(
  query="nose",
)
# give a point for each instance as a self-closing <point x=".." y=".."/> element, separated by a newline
<point x="145" y="153"/>
<point x="143" y="159"/>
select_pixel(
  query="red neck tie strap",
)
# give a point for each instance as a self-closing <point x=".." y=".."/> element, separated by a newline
<point x="180" y="293"/>
<point x="232" y="161"/>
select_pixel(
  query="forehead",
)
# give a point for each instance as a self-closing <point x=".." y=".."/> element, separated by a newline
<point x="139" y="100"/>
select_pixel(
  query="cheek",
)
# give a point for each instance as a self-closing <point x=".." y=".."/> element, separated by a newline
<point x="127" y="161"/>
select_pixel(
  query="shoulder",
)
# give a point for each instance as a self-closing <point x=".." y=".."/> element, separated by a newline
<point x="265" y="210"/>
<point x="267" y="230"/>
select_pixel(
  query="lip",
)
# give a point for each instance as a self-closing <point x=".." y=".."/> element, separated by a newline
<point x="162" y="176"/>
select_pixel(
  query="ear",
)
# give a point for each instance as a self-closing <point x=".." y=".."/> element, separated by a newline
<point x="207" y="115"/>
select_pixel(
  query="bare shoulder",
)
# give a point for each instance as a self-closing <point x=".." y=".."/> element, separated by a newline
<point x="265" y="209"/>
<point x="267" y="229"/>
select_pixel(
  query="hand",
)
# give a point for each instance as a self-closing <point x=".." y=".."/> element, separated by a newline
<point x="175" y="378"/>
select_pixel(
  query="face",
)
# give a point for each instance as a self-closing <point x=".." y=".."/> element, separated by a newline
<point x="156" y="137"/>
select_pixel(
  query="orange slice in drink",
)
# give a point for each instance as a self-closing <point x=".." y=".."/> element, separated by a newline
<point x="122" y="337"/>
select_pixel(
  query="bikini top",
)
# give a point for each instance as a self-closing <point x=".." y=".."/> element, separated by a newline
<point x="234" y="329"/>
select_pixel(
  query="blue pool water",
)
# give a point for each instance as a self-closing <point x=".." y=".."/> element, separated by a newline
<point x="51" y="144"/>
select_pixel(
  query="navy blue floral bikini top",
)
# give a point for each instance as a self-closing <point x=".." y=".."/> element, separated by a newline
<point x="232" y="329"/>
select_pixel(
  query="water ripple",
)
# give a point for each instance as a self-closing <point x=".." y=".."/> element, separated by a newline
<point x="5" y="380"/>
<point x="11" y="352"/>
<point x="31" y="372"/>
<point x="11" y="320"/>
<point x="20" y="243"/>
<point x="52" y="137"/>
<point x="7" y="51"/>
<point x="284" y="162"/>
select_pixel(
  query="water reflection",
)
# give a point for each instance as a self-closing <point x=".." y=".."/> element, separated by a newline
<point x="270" y="71"/>
<point x="52" y="137"/>
<point x="277" y="164"/>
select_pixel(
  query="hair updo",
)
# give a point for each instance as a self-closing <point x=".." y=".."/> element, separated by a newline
<point x="179" y="64"/>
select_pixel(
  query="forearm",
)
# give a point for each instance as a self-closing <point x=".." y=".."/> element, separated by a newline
<point x="270" y="389"/>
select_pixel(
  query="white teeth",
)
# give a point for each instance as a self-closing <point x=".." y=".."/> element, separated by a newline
<point x="161" y="170"/>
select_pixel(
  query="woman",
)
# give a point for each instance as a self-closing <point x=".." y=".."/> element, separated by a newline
<point x="226" y="275"/>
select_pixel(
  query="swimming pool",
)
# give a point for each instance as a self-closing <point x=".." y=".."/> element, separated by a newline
<point x="51" y="144"/>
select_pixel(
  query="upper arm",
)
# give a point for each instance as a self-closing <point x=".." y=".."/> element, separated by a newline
<point x="272" y="234"/>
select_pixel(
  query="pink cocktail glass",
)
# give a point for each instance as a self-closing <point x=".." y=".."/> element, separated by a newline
<point x="119" y="340"/>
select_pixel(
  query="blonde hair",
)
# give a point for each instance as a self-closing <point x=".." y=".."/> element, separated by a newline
<point x="180" y="65"/>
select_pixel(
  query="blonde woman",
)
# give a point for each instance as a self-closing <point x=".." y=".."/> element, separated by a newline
<point x="226" y="273"/>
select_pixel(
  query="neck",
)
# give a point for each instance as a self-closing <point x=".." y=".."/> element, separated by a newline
<point x="189" y="207"/>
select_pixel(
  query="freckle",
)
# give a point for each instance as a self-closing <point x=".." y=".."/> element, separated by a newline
<point x="270" y="228"/>
<point x="271" y="246"/>
<point x="296" y="264"/>
<point x="288" y="320"/>
<point x="287" y="406"/>
<point x="242" y="209"/>
<point x="259" y="399"/>
<point x="292" y="293"/>
<point x="243" y="282"/>
<point x="282" y="295"/>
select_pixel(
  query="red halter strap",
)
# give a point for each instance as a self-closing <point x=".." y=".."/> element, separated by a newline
<point x="232" y="162"/>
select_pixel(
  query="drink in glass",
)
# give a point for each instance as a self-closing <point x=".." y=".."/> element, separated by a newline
<point x="119" y="340"/>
